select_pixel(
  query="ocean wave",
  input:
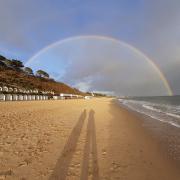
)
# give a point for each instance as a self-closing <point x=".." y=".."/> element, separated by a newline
<point x="162" y="112"/>
<point x="175" y="124"/>
<point x="151" y="108"/>
<point x="173" y="115"/>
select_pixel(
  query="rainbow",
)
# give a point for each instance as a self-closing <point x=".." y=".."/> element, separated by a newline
<point x="135" y="50"/>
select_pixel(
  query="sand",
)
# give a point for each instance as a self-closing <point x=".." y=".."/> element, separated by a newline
<point x="78" y="139"/>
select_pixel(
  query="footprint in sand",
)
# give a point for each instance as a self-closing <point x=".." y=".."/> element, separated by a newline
<point x="104" y="152"/>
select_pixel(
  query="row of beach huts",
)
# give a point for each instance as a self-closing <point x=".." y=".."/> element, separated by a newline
<point x="18" y="94"/>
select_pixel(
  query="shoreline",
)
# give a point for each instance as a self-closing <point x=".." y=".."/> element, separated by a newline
<point x="141" y="147"/>
<point x="78" y="139"/>
<point x="167" y="135"/>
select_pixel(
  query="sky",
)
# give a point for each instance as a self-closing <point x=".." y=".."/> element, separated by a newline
<point x="152" y="26"/>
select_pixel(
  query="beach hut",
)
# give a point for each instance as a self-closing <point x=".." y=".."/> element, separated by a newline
<point x="44" y="97"/>
<point x="24" y="91"/>
<point x="56" y="97"/>
<point x="5" y="89"/>
<point x="62" y="96"/>
<point x="21" y="90"/>
<point x="43" y="92"/>
<point x="25" y="98"/>
<point x="15" y="97"/>
<point x="10" y="89"/>
<point x="74" y="96"/>
<point x="29" y="97"/>
<point x="35" y="91"/>
<point x="20" y="97"/>
<point x="52" y="92"/>
<point x="1" y="89"/>
<point x="37" y="97"/>
<point x="9" y="97"/>
<point x="2" y="97"/>
<point x="33" y="97"/>
<point x="27" y="91"/>
<point x="15" y="90"/>
<point x="67" y="96"/>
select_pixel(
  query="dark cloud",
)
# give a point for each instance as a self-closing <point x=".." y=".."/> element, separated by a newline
<point x="102" y="65"/>
<point x="152" y="26"/>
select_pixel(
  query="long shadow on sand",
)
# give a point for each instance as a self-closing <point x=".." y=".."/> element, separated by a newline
<point x="64" y="161"/>
<point x="90" y="151"/>
<point x="90" y="148"/>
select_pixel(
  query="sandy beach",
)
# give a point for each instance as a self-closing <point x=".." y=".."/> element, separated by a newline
<point x="78" y="139"/>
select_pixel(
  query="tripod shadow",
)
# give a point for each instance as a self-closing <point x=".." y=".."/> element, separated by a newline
<point x="62" y="165"/>
<point x="90" y="148"/>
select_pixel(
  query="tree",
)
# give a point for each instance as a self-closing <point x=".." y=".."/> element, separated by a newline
<point x="41" y="73"/>
<point x="2" y="65"/>
<point x="28" y="70"/>
<point x="8" y="62"/>
<point x="17" y="64"/>
<point x="2" y="58"/>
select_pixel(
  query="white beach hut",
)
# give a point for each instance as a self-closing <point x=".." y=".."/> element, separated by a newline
<point x="37" y="97"/>
<point x="25" y="98"/>
<point x="21" y="90"/>
<point x="33" y="97"/>
<point x="10" y="89"/>
<point x="55" y="97"/>
<point x="9" y="97"/>
<point x="29" y="97"/>
<point x="21" y="97"/>
<point x="5" y="89"/>
<point x="62" y="96"/>
<point x="52" y="92"/>
<point x="15" y="97"/>
<point x="35" y="91"/>
<point x="15" y="90"/>
<point x="2" y="97"/>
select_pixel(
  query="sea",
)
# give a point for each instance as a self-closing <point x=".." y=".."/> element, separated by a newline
<point x="162" y="108"/>
<point x="161" y="117"/>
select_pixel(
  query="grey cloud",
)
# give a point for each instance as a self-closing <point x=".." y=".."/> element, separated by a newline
<point x="102" y="65"/>
<point x="154" y="29"/>
<point x="159" y="37"/>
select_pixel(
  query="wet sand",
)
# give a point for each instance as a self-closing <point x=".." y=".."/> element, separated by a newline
<point x="78" y="139"/>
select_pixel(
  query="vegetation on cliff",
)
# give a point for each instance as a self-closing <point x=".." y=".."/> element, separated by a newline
<point x="13" y="73"/>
